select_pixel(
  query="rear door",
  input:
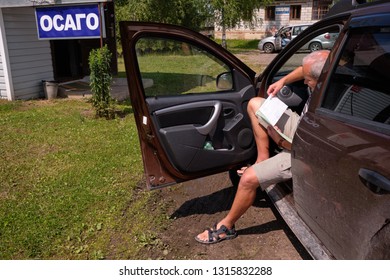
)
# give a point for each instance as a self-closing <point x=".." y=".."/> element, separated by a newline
<point x="278" y="37"/>
<point x="341" y="163"/>
<point x="189" y="97"/>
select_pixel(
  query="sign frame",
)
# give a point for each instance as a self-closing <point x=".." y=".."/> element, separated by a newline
<point x="66" y="17"/>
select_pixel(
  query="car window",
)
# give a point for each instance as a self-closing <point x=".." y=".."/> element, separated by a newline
<point x="328" y="37"/>
<point x="172" y="67"/>
<point x="298" y="29"/>
<point x="283" y="30"/>
<point x="360" y="83"/>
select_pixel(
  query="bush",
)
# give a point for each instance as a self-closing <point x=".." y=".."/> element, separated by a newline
<point x="100" y="82"/>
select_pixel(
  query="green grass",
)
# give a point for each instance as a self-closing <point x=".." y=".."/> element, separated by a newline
<point x="179" y="74"/>
<point x="183" y="70"/>
<point x="237" y="46"/>
<point x="70" y="184"/>
<point x="234" y="46"/>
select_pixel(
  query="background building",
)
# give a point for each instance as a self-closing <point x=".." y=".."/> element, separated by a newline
<point x="270" y="18"/>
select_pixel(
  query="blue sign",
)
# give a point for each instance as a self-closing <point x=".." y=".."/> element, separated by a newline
<point x="63" y="22"/>
<point x="282" y="10"/>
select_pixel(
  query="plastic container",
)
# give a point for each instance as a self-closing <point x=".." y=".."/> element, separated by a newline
<point x="50" y="89"/>
<point x="208" y="146"/>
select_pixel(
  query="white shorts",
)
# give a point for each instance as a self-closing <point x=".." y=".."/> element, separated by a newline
<point x="273" y="170"/>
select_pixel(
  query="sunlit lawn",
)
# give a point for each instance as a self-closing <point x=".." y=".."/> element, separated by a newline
<point x="69" y="183"/>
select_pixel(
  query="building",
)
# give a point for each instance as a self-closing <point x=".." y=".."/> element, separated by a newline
<point x="270" y="18"/>
<point x="27" y="59"/>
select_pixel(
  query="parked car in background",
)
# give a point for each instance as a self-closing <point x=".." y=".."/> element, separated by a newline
<point x="192" y="122"/>
<point x="287" y="33"/>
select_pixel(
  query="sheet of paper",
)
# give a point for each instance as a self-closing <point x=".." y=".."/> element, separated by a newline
<point x="272" y="109"/>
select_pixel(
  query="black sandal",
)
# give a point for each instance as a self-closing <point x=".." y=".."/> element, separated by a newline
<point x="214" y="235"/>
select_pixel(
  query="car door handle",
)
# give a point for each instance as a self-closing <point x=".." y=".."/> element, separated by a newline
<point x="229" y="112"/>
<point x="212" y="122"/>
<point x="374" y="181"/>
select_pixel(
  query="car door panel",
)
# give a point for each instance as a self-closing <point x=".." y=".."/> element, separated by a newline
<point x="188" y="125"/>
<point x="331" y="210"/>
<point x="184" y="131"/>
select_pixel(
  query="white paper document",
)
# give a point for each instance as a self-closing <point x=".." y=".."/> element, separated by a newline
<point x="271" y="111"/>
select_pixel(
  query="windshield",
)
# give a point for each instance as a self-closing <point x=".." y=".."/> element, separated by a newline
<point x="283" y="30"/>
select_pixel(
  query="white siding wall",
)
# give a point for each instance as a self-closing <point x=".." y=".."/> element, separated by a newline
<point x="3" y="92"/>
<point x="30" y="58"/>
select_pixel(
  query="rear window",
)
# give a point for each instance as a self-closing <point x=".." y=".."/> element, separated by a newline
<point x="360" y="84"/>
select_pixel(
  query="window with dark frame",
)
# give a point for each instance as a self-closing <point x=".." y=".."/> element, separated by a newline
<point x="320" y="8"/>
<point x="359" y="88"/>
<point x="270" y="13"/>
<point x="295" y="12"/>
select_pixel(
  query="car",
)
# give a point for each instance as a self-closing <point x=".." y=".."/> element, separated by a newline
<point x="192" y="122"/>
<point x="287" y="33"/>
<point x="284" y="35"/>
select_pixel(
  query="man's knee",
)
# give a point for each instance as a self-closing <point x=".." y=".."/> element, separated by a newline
<point x="249" y="180"/>
<point x="254" y="104"/>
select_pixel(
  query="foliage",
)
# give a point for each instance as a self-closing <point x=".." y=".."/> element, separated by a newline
<point x="194" y="14"/>
<point x="189" y="13"/>
<point x="232" y="12"/>
<point x="100" y="82"/>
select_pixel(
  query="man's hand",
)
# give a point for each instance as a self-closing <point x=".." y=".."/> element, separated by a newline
<point x="294" y="76"/>
<point x="275" y="87"/>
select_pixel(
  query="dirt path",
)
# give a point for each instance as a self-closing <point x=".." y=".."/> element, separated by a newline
<point x="200" y="203"/>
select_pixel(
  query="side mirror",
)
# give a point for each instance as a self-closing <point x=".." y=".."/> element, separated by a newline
<point x="225" y="81"/>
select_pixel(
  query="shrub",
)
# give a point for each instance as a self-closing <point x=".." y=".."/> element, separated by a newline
<point x="100" y="82"/>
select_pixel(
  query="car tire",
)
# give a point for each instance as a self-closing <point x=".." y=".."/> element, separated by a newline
<point x="315" y="46"/>
<point x="268" y="48"/>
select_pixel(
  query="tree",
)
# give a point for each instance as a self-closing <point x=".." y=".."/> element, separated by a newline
<point x="231" y="12"/>
<point x="194" y="14"/>
<point x="189" y="13"/>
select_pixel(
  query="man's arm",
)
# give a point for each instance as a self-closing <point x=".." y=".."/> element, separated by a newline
<point x="294" y="76"/>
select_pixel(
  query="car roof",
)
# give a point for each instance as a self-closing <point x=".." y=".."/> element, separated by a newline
<point x="343" y="6"/>
<point x="295" y="25"/>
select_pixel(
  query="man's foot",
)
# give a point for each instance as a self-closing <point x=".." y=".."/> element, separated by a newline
<point x="214" y="235"/>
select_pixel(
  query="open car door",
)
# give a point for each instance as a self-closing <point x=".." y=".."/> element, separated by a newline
<point x="189" y="97"/>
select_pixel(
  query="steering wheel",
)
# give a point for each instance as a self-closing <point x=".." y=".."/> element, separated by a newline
<point x="294" y="95"/>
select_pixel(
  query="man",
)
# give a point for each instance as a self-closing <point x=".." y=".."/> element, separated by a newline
<point x="266" y="171"/>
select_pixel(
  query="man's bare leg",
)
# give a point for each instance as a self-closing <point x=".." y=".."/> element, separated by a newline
<point x="259" y="132"/>
<point x="245" y="196"/>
